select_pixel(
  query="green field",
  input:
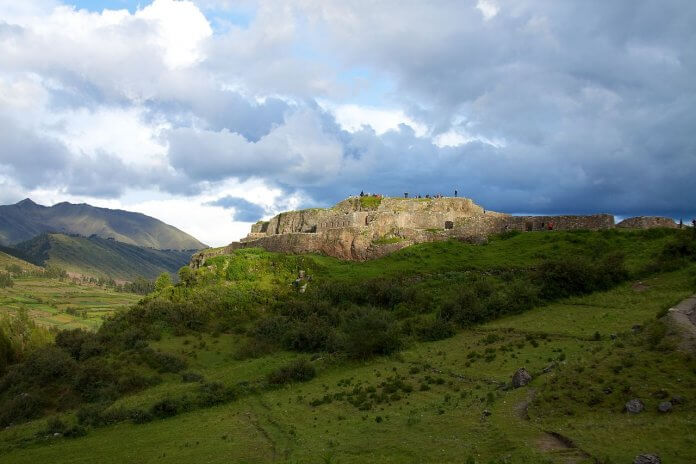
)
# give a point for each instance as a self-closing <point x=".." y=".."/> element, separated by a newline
<point x="429" y="402"/>
<point x="62" y="304"/>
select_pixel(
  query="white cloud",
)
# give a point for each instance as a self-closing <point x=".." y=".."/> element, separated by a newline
<point x="181" y="27"/>
<point x="488" y="9"/>
<point x="353" y="117"/>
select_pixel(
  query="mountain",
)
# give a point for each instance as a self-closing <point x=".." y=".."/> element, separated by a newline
<point x="26" y="219"/>
<point x="100" y="257"/>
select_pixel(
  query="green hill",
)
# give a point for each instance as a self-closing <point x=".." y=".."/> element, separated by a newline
<point x="404" y="359"/>
<point x="98" y="257"/>
<point x="26" y="219"/>
<point x="8" y="260"/>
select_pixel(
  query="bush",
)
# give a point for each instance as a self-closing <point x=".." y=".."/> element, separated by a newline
<point x="168" y="407"/>
<point x="297" y="371"/>
<point x="96" y="381"/>
<point x="162" y="362"/>
<point x="20" y="408"/>
<point x="79" y="343"/>
<point x="7" y="354"/>
<point x="312" y="334"/>
<point x="6" y="280"/>
<point x="439" y="329"/>
<point x="370" y="331"/>
<point x="48" y="364"/>
<point x="210" y="394"/>
<point x="561" y="278"/>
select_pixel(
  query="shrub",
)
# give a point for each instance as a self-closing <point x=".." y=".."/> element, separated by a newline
<point x="560" y="278"/>
<point x="369" y="332"/>
<point x="212" y="393"/>
<point x="90" y="414"/>
<point x="438" y="329"/>
<point x="7" y="354"/>
<point x="95" y="381"/>
<point x="168" y="407"/>
<point x="297" y="371"/>
<point x="48" y="364"/>
<point x="79" y="343"/>
<point x="312" y="334"/>
<point x="20" y="408"/>
<point x="6" y="280"/>
<point x="138" y="416"/>
<point x="162" y="362"/>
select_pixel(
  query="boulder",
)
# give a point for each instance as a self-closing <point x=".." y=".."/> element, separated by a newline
<point x="521" y="378"/>
<point x="647" y="459"/>
<point x="634" y="406"/>
<point x="664" y="406"/>
<point x="677" y="399"/>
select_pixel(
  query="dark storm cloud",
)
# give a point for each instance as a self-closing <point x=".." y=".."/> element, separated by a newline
<point x="577" y="106"/>
<point x="244" y="210"/>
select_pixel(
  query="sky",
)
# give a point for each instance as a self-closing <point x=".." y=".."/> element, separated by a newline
<point x="211" y="114"/>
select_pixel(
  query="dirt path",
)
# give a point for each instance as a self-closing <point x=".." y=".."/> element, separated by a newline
<point x="683" y="318"/>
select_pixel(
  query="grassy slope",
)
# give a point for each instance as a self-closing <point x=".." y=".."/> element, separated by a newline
<point x="9" y="260"/>
<point x="47" y="301"/>
<point x="443" y="421"/>
<point x="99" y="257"/>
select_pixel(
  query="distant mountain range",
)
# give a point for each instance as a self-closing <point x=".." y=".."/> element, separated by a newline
<point x="99" y="257"/>
<point x="25" y="220"/>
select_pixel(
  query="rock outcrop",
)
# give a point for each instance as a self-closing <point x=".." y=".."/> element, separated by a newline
<point x="361" y="228"/>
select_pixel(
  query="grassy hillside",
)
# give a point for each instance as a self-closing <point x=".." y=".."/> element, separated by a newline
<point x="8" y="261"/>
<point x="399" y="360"/>
<point x="98" y="257"/>
<point x="26" y="219"/>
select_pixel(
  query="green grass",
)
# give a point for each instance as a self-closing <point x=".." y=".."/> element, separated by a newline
<point x="370" y="202"/>
<point x="387" y="240"/>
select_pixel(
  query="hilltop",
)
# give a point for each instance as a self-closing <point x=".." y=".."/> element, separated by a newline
<point x="99" y="257"/>
<point x="26" y="219"/>
<point x="369" y="227"/>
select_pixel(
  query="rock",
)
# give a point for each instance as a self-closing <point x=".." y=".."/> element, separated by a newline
<point x="608" y="390"/>
<point x="664" y="406"/>
<point x="521" y="378"/>
<point x="634" y="406"/>
<point x="486" y="413"/>
<point x="57" y="435"/>
<point x="637" y="328"/>
<point x="301" y="274"/>
<point x="612" y="336"/>
<point x="647" y="459"/>
<point x="678" y="399"/>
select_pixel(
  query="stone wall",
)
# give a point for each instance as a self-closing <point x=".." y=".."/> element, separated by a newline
<point x="647" y="222"/>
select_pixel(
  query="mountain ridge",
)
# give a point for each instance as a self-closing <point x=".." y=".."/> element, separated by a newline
<point x="27" y="219"/>
<point x="100" y="257"/>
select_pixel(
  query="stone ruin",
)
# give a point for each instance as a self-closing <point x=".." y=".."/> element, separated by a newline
<point x="357" y="230"/>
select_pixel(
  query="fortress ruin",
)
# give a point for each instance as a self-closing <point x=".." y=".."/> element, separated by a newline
<point x="361" y="228"/>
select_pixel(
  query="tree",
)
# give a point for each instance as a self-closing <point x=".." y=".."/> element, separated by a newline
<point x="186" y="276"/>
<point x="163" y="281"/>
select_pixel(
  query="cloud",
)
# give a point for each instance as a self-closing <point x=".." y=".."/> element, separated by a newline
<point x="525" y="106"/>
<point x="244" y="210"/>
